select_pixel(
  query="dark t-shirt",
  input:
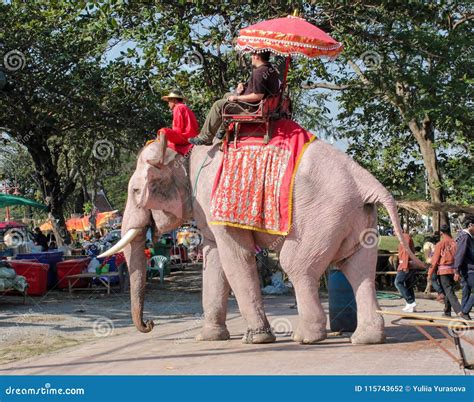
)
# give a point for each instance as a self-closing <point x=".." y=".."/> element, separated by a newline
<point x="41" y="240"/>
<point x="264" y="80"/>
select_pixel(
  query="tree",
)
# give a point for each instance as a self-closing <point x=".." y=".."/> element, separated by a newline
<point x="403" y="83"/>
<point x="66" y="103"/>
<point x="410" y="77"/>
<point x="403" y="80"/>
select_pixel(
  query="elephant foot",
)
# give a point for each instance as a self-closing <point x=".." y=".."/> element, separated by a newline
<point x="309" y="338"/>
<point x="213" y="334"/>
<point x="259" y="335"/>
<point x="369" y="334"/>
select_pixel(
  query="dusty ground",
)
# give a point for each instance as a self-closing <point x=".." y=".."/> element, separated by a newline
<point x="91" y="333"/>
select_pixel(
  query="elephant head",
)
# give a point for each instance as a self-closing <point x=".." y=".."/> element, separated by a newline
<point x="158" y="194"/>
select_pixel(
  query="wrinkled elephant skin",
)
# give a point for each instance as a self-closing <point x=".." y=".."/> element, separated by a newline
<point x="334" y="209"/>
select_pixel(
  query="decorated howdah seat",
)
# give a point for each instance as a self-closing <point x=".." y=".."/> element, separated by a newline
<point x="263" y="147"/>
<point x="271" y="108"/>
<point x="284" y="37"/>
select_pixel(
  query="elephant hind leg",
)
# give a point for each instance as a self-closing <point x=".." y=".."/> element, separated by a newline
<point x="311" y="316"/>
<point x="359" y="269"/>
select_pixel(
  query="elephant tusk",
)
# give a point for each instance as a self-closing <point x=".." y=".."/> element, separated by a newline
<point x="129" y="236"/>
<point x="163" y="145"/>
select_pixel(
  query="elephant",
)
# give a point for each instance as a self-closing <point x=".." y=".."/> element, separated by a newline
<point x="334" y="211"/>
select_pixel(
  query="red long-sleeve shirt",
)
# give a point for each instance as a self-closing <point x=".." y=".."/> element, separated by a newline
<point x="443" y="257"/>
<point x="185" y="126"/>
<point x="403" y="256"/>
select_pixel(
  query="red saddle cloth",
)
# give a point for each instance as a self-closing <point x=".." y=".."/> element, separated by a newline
<point x="254" y="185"/>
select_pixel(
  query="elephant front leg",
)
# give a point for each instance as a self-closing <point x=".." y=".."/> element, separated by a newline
<point x="215" y="294"/>
<point x="237" y="255"/>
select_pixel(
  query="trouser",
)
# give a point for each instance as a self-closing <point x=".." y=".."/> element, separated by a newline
<point x="467" y="283"/>
<point x="213" y="121"/>
<point x="404" y="282"/>
<point x="435" y="283"/>
<point x="450" y="300"/>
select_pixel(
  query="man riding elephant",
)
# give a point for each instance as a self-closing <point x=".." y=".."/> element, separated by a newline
<point x="185" y="125"/>
<point x="263" y="83"/>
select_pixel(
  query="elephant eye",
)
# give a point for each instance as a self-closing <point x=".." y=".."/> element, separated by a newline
<point x="136" y="190"/>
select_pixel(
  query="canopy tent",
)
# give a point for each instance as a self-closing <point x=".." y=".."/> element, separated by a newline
<point x="11" y="225"/>
<point x="8" y="200"/>
<point x="426" y="207"/>
<point x="82" y="224"/>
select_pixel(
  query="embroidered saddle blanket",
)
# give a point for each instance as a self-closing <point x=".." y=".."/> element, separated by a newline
<point x="254" y="185"/>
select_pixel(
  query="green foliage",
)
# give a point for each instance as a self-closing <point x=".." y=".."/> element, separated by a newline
<point x="406" y="66"/>
<point x="95" y="71"/>
<point x="401" y="63"/>
<point x="88" y="208"/>
<point x="71" y="101"/>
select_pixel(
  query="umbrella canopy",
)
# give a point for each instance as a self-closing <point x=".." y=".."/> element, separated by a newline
<point x="83" y="224"/>
<point x="11" y="225"/>
<point x="290" y="36"/>
<point x="7" y="200"/>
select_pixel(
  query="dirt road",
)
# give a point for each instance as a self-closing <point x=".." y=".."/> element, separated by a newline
<point x="92" y="334"/>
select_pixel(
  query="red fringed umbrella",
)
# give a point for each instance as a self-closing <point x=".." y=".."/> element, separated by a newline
<point x="290" y="36"/>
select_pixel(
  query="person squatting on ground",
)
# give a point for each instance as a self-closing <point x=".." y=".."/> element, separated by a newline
<point x="464" y="264"/>
<point x="406" y="272"/>
<point x="442" y="263"/>
<point x="263" y="83"/>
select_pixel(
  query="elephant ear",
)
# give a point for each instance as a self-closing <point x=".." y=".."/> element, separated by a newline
<point x="161" y="191"/>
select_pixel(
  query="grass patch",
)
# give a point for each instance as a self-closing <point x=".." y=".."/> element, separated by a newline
<point x="34" y="347"/>
<point x="389" y="243"/>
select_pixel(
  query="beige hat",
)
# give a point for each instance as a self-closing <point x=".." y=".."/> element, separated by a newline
<point x="174" y="94"/>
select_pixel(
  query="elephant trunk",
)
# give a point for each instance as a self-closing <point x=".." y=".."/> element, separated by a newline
<point x="136" y="260"/>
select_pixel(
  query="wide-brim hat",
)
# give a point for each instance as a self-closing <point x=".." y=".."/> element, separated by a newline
<point x="174" y="94"/>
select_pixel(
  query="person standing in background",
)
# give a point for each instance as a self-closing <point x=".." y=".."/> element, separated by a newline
<point x="464" y="265"/>
<point x="40" y="239"/>
<point x="405" y="278"/>
<point x="442" y="263"/>
<point x="433" y="280"/>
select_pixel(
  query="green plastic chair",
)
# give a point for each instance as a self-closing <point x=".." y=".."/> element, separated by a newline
<point x="158" y="265"/>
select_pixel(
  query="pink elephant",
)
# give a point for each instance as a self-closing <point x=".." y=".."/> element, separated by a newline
<point x="334" y="210"/>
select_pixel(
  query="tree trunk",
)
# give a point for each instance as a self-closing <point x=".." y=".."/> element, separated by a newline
<point x="79" y="202"/>
<point x="424" y="136"/>
<point x="54" y="192"/>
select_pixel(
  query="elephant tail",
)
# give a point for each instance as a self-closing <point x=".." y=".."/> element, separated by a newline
<point x="378" y="194"/>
